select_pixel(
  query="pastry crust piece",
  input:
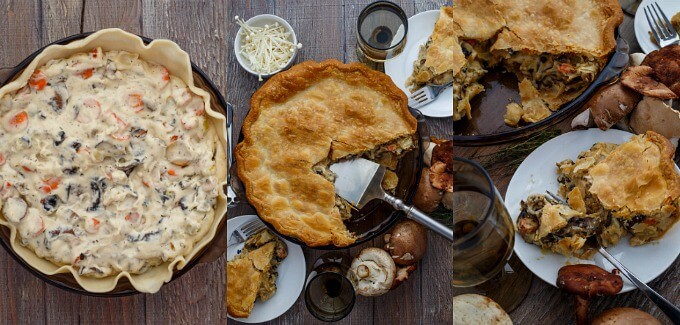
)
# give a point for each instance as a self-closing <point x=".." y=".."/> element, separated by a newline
<point x="311" y="114"/>
<point x="650" y="159"/>
<point x="557" y="27"/>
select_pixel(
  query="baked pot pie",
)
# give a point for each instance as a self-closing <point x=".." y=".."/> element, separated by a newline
<point x="554" y="48"/>
<point x="611" y="191"/>
<point x="109" y="162"/>
<point x="435" y="63"/>
<point x="252" y="274"/>
<point x="300" y="122"/>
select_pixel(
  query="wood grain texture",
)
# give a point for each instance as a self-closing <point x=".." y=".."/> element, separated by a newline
<point x="327" y="30"/>
<point x="547" y="305"/>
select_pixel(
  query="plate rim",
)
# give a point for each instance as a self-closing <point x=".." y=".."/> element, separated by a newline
<point x="394" y="66"/>
<point x="589" y="134"/>
<point x="293" y="249"/>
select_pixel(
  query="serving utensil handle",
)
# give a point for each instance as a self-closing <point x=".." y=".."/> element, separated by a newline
<point x="232" y="196"/>
<point x="666" y="307"/>
<point x="420" y="217"/>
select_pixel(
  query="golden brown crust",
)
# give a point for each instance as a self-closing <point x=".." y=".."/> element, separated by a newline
<point x="650" y="159"/>
<point x="301" y="117"/>
<point x="440" y="52"/>
<point x="557" y="27"/>
<point x="243" y="280"/>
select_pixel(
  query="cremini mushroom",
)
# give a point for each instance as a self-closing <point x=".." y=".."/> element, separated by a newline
<point x="640" y="79"/>
<point x="665" y="64"/>
<point x="372" y="272"/>
<point x="653" y="114"/>
<point x="586" y="281"/>
<point x="406" y="242"/>
<point x="427" y="197"/>
<point x="611" y="104"/>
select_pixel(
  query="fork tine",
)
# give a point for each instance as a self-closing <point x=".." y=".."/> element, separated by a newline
<point x="660" y="24"/>
<point x="250" y="225"/>
<point x="671" y="30"/>
<point x="256" y="229"/>
<point x="652" y="27"/>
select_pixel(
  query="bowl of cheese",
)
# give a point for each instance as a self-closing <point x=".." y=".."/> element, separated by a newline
<point x="265" y="45"/>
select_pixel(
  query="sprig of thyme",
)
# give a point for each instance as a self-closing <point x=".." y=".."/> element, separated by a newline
<point x="510" y="157"/>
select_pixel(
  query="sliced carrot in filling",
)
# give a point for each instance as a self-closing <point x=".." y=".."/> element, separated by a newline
<point x="38" y="80"/>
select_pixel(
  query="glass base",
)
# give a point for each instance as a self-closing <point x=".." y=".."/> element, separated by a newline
<point x="508" y="288"/>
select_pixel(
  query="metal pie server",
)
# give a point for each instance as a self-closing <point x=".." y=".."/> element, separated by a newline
<point x="359" y="181"/>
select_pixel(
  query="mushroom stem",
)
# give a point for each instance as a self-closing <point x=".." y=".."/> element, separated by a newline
<point x="581" y="304"/>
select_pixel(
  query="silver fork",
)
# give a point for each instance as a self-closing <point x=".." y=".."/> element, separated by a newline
<point x="426" y="95"/>
<point x="662" y="30"/>
<point x="244" y="231"/>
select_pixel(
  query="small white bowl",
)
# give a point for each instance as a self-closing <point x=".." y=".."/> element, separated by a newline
<point x="260" y="21"/>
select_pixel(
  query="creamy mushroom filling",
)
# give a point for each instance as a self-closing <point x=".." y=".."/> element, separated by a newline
<point x="107" y="164"/>
<point x="387" y="155"/>
<point x="554" y="74"/>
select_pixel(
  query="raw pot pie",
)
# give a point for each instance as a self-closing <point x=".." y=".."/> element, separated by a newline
<point x="555" y="48"/>
<point x="611" y="190"/>
<point x="108" y="162"/>
<point x="305" y="118"/>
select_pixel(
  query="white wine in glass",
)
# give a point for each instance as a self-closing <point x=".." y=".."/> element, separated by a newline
<point x="483" y="239"/>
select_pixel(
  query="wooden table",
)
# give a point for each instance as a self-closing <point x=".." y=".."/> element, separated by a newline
<point x="547" y="305"/>
<point x="206" y="30"/>
<point x="327" y="30"/>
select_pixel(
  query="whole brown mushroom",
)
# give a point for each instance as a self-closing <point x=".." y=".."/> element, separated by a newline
<point x="585" y="281"/>
<point x="407" y="242"/>
<point x="611" y="104"/>
<point x="427" y="197"/>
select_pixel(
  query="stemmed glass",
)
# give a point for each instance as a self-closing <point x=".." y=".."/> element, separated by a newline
<point x="483" y="239"/>
<point x="381" y="32"/>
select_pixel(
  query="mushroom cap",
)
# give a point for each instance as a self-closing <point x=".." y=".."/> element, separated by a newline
<point x="653" y="114"/>
<point x="625" y="316"/>
<point x="407" y="242"/>
<point x="372" y="272"/>
<point x="439" y="176"/>
<point x="588" y="280"/>
<point x="444" y="152"/>
<point x="447" y="200"/>
<point x="640" y="79"/>
<point x="427" y="197"/>
<point x="665" y="63"/>
<point x="611" y="104"/>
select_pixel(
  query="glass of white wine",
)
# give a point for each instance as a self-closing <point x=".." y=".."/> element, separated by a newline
<point x="483" y="239"/>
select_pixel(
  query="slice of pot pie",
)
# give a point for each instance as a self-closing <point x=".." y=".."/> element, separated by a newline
<point x="435" y="60"/>
<point x="558" y="49"/>
<point x="252" y="273"/>
<point x="611" y="190"/>
<point x="301" y="121"/>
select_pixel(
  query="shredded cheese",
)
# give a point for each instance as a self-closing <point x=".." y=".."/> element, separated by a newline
<point x="267" y="49"/>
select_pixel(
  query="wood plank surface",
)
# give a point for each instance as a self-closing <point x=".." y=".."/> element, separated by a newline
<point x="547" y="305"/>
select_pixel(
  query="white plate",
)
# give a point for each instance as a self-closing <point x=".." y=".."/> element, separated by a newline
<point x="669" y="7"/>
<point x="538" y="173"/>
<point x="420" y="27"/>
<point x="289" y="283"/>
